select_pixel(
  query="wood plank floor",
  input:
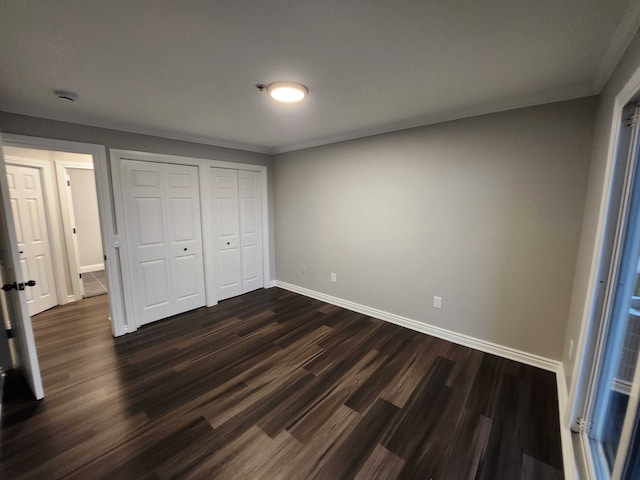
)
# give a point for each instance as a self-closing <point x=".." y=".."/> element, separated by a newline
<point x="273" y="385"/>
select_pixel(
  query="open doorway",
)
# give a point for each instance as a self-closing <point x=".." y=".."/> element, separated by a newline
<point x="55" y="209"/>
<point x="81" y="221"/>
<point x="46" y="169"/>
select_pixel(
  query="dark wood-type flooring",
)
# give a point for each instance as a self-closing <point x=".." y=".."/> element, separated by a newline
<point x="274" y="385"/>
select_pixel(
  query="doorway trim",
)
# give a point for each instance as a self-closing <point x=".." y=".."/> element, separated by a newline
<point x="204" y="169"/>
<point x="105" y="210"/>
<point x="68" y="219"/>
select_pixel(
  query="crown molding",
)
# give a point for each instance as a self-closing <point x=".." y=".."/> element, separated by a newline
<point x="569" y="93"/>
<point x="214" y="142"/>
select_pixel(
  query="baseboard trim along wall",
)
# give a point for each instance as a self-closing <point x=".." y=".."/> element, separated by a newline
<point x="460" y="339"/>
<point x="467" y="341"/>
<point x="92" y="268"/>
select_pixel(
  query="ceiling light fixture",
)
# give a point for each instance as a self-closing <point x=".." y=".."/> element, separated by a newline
<point x="287" y="92"/>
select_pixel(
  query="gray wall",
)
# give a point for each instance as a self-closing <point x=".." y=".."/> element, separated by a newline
<point x="40" y="127"/>
<point x="485" y="212"/>
<point x="579" y="302"/>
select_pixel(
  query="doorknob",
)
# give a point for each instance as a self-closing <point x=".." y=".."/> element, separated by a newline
<point x="18" y="286"/>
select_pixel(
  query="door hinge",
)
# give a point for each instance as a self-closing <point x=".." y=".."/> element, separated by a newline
<point x="68" y="183"/>
<point x="80" y="275"/>
<point x="632" y="121"/>
<point x="74" y="230"/>
<point x="9" y="333"/>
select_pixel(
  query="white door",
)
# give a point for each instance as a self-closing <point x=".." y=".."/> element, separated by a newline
<point x="15" y="300"/>
<point x="162" y="217"/>
<point x="27" y="205"/>
<point x="237" y="225"/>
<point x="250" y="230"/>
<point x="227" y="232"/>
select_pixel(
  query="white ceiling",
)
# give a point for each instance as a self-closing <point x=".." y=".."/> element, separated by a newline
<point x="188" y="69"/>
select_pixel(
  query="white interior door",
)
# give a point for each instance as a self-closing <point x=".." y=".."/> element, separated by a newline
<point x="15" y="300"/>
<point x="250" y="230"/>
<point x="27" y="204"/>
<point x="162" y="217"/>
<point x="226" y="232"/>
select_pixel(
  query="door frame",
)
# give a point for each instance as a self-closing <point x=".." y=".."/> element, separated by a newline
<point x="52" y="220"/>
<point x="105" y="211"/>
<point x="68" y="219"/>
<point x="204" y="176"/>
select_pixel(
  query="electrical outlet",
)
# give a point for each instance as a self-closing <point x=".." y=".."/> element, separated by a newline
<point x="437" y="302"/>
<point x="333" y="277"/>
<point x="303" y="270"/>
<point x="570" y="349"/>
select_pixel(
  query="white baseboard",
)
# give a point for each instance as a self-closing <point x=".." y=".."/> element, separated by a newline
<point x="272" y="284"/>
<point x="92" y="268"/>
<point x="460" y="339"/>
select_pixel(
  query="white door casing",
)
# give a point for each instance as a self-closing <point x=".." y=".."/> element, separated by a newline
<point x="71" y="234"/>
<point x="164" y="244"/>
<point x="15" y="300"/>
<point x="27" y="204"/>
<point x="227" y="232"/>
<point x="250" y="230"/>
<point x="237" y="226"/>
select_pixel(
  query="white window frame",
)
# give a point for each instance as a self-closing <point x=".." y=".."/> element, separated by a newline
<point x="583" y="377"/>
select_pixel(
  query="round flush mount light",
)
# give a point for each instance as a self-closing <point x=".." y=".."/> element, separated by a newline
<point x="66" y="96"/>
<point x="287" y="92"/>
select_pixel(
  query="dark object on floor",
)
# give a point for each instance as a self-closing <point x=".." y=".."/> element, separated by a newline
<point x="15" y="389"/>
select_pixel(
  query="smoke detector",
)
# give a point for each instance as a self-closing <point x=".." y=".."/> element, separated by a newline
<point x="64" y="95"/>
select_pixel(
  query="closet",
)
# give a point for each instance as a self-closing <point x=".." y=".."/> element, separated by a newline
<point x="164" y="241"/>
<point x="237" y="227"/>
<point x="190" y="234"/>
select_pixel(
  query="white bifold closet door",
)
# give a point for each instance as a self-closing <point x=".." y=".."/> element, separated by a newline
<point x="164" y="242"/>
<point x="237" y="224"/>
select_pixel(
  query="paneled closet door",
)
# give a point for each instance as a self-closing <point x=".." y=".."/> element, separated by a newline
<point x="227" y="232"/>
<point x="250" y="230"/>
<point x="162" y="215"/>
<point x="237" y="221"/>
